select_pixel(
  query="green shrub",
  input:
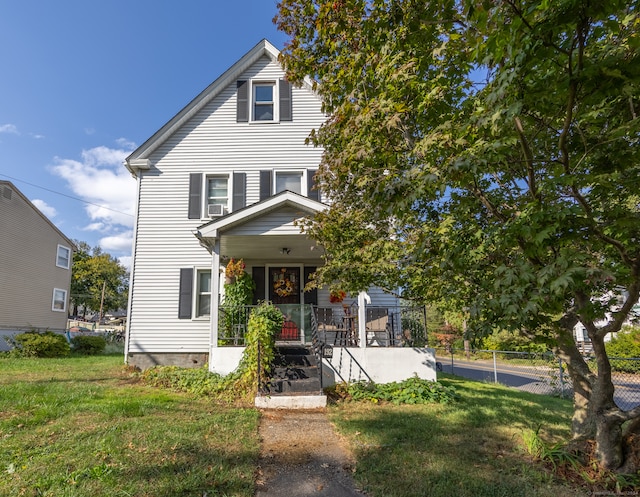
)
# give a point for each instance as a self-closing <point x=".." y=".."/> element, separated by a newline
<point x="47" y="344"/>
<point x="626" y="344"/>
<point x="89" y="345"/>
<point x="410" y="391"/>
<point x="264" y="323"/>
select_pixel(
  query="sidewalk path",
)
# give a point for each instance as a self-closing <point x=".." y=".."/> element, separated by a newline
<point x="302" y="456"/>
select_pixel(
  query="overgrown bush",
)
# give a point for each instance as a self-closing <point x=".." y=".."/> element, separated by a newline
<point x="264" y="323"/>
<point x="46" y="344"/>
<point x="410" y="391"/>
<point x="89" y="345"/>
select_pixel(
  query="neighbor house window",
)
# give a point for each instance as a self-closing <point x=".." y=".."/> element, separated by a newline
<point x="63" y="258"/>
<point x="217" y="195"/>
<point x="59" y="300"/>
<point x="263" y="101"/>
<point x="203" y="294"/>
<point x="289" y="180"/>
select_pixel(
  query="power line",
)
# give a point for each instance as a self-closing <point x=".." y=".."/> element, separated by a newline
<point x="65" y="195"/>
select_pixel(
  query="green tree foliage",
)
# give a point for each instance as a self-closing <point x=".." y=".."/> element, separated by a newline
<point x="485" y="155"/>
<point x="92" y="271"/>
<point x="47" y="344"/>
<point x="88" y="344"/>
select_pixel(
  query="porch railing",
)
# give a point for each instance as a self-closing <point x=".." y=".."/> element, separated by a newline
<point x="388" y="326"/>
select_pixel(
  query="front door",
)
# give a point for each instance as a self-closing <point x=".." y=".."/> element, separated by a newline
<point x="284" y="292"/>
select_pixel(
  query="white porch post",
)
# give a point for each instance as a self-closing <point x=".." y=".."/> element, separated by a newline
<point x="363" y="300"/>
<point x="215" y="291"/>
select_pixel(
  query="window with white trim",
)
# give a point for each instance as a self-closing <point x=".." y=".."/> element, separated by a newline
<point x="289" y="180"/>
<point x="59" y="303"/>
<point x="203" y="293"/>
<point x="263" y="98"/>
<point x="63" y="257"/>
<point x="216" y="194"/>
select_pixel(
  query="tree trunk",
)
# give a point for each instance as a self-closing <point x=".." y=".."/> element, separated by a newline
<point x="596" y="416"/>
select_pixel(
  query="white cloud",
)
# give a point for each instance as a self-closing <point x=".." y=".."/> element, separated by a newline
<point x="45" y="208"/>
<point x="126" y="261"/>
<point x="101" y="179"/>
<point x="119" y="242"/>
<point x="9" y="128"/>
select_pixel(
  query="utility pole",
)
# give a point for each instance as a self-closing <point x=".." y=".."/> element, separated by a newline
<point x="104" y="284"/>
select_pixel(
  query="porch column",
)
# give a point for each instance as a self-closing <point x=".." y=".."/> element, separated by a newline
<point x="215" y="291"/>
<point x="363" y="300"/>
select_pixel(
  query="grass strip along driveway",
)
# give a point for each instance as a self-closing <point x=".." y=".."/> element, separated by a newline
<point x="79" y="427"/>
<point x="83" y="426"/>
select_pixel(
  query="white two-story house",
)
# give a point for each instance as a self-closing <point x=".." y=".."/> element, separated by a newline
<point x="227" y="178"/>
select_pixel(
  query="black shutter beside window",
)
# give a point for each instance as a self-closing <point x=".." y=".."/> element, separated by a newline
<point x="311" y="296"/>
<point x="286" y="113"/>
<point x="185" y="293"/>
<point x="265" y="184"/>
<point x="259" y="275"/>
<point x="243" y="102"/>
<point x="239" y="191"/>
<point x="312" y="189"/>
<point x="195" y="192"/>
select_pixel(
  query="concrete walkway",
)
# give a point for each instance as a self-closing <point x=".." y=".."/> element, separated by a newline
<point x="302" y="456"/>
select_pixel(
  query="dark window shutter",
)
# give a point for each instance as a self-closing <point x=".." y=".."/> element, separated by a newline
<point x="311" y="296"/>
<point x="195" y="191"/>
<point x="265" y="184"/>
<point x="258" y="274"/>
<point x="312" y="190"/>
<point x="186" y="289"/>
<point x="239" y="191"/>
<point x="285" y="101"/>
<point x="243" y="102"/>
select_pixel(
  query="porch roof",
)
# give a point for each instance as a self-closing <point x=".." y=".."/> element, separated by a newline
<point x="237" y="241"/>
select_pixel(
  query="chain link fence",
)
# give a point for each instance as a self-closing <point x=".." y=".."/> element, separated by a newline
<point x="536" y="372"/>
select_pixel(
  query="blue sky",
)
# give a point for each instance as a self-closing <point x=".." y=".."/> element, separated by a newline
<point x="85" y="82"/>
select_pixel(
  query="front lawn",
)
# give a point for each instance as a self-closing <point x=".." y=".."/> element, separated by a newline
<point x="471" y="448"/>
<point x="82" y="427"/>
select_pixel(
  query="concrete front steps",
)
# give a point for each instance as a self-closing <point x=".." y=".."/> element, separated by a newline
<point x="295" y="380"/>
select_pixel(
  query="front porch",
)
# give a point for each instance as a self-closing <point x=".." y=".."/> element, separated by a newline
<point x="354" y="343"/>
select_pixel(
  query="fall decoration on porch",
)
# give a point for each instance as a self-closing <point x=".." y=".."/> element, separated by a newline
<point x="336" y="296"/>
<point x="283" y="286"/>
<point x="234" y="269"/>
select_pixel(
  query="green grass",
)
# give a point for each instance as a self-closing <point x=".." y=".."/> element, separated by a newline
<point x="472" y="448"/>
<point x="81" y="427"/>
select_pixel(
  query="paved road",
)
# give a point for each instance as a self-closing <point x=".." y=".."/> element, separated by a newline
<point x="540" y="379"/>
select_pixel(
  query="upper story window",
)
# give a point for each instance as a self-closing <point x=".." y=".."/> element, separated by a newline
<point x="217" y="195"/>
<point x="264" y="101"/>
<point x="289" y="180"/>
<point x="63" y="257"/>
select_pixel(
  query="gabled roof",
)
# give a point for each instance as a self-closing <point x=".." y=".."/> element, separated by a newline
<point x="286" y="198"/>
<point x="139" y="159"/>
<point x="11" y="186"/>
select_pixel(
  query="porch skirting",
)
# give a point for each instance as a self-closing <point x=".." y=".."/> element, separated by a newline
<point x="378" y="364"/>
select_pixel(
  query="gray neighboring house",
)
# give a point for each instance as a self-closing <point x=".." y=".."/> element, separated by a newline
<point x="35" y="266"/>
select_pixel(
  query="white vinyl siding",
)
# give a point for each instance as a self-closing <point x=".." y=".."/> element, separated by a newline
<point x="212" y="143"/>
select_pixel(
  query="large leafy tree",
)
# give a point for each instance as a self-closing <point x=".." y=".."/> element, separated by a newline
<point x="98" y="280"/>
<point x="486" y="155"/>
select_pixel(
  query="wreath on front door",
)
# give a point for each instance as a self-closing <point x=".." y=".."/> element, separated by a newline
<point x="283" y="286"/>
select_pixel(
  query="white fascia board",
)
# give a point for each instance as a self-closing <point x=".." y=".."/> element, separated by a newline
<point x="285" y="199"/>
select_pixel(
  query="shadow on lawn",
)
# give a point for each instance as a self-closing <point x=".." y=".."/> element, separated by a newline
<point x="470" y="448"/>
